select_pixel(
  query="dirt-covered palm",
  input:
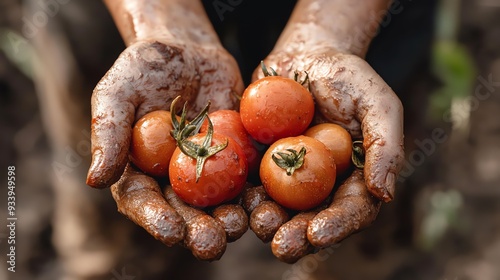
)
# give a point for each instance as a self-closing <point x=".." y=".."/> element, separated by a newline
<point x="146" y="77"/>
<point x="347" y="91"/>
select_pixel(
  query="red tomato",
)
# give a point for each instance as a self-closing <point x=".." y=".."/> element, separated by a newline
<point x="306" y="186"/>
<point x="228" y="122"/>
<point x="152" y="145"/>
<point x="275" y="107"/>
<point x="223" y="176"/>
<point x="337" y="140"/>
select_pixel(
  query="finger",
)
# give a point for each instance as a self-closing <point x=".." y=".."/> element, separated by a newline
<point x="381" y="113"/>
<point x="205" y="237"/>
<point x="233" y="219"/>
<point x="266" y="216"/>
<point x="266" y="219"/>
<point x="113" y="113"/>
<point x="290" y="242"/>
<point x="253" y="196"/>
<point x="352" y="209"/>
<point x="358" y="98"/>
<point x="139" y="198"/>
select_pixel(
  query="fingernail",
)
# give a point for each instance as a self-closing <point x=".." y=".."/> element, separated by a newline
<point x="95" y="166"/>
<point x="390" y="185"/>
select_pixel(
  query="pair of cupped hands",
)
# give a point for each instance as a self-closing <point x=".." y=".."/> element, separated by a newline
<point x="149" y="74"/>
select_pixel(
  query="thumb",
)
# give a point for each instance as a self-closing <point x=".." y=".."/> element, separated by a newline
<point x="381" y="113"/>
<point x="145" y="77"/>
<point x="358" y="97"/>
<point x="113" y="113"/>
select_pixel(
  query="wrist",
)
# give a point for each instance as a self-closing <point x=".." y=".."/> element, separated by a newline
<point x="347" y="26"/>
<point x="184" y="22"/>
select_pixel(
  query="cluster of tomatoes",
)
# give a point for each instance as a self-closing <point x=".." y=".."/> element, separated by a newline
<point x="209" y="158"/>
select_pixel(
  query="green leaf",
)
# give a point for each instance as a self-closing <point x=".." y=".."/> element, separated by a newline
<point x="453" y="66"/>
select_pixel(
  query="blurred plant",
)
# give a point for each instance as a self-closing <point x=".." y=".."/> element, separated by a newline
<point x="442" y="214"/>
<point x="10" y="44"/>
<point x="452" y="64"/>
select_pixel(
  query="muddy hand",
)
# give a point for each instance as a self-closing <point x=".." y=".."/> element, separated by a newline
<point x="147" y="77"/>
<point x="347" y="91"/>
<point x="140" y="199"/>
<point x="172" y="50"/>
<point x="351" y="210"/>
<point x="167" y="218"/>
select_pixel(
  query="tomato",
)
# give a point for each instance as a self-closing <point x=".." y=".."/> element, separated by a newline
<point x="222" y="177"/>
<point x="276" y="107"/>
<point x="152" y="145"/>
<point x="228" y="122"/>
<point x="309" y="183"/>
<point x="337" y="140"/>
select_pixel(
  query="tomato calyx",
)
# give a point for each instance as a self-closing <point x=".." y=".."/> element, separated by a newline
<point x="272" y="72"/>
<point x="304" y="81"/>
<point x="267" y="73"/>
<point x="236" y="95"/>
<point x="182" y="128"/>
<point x="358" y="154"/>
<point x="201" y="152"/>
<point x="290" y="161"/>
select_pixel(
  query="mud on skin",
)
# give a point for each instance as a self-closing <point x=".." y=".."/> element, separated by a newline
<point x="139" y="198"/>
<point x="205" y="237"/>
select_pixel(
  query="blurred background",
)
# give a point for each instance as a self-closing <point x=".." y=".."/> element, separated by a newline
<point x="441" y="57"/>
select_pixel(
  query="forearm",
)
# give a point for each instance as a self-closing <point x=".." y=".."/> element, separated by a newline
<point x="182" y="21"/>
<point x="345" y="25"/>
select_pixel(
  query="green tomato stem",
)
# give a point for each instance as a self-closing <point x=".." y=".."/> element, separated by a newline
<point x="266" y="72"/>
<point x="290" y="161"/>
<point x="358" y="154"/>
<point x="201" y="152"/>
<point x="183" y="129"/>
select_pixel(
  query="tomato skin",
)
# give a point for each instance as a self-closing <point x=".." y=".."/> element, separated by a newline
<point x="152" y="145"/>
<point x="228" y="122"/>
<point x="223" y="177"/>
<point x="337" y="140"/>
<point x="275" y="107"/>
<point x="309" y="185"/>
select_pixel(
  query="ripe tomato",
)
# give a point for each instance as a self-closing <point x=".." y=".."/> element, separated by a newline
<point x="306" y="186"/>
<point x="337" y="140"/>
<point x="275" y="107"/>
<point x="152" y="145"/>
<point x="228" y="122"/>
<point x="222" y="178"/>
